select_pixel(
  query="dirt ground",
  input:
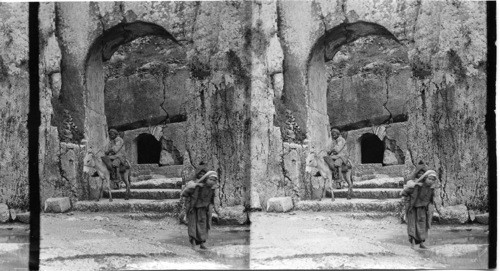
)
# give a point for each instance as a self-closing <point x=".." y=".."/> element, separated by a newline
<point x="14" y="246"/>
<point x="305" y="240"/>
<point x="296" y="240"/>
<point x="107" y="241"/>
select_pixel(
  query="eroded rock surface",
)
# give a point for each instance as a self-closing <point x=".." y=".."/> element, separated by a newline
<point x="14" y="104"/>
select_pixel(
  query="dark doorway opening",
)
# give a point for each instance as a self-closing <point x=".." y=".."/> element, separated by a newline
<point x="372" y="149"/>
<point x="148" y="149"/>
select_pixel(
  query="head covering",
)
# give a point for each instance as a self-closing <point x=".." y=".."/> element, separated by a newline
<point x="335" y="130"/>
<point x="427" y="174"/>
<point x="113" y="131"/>
<point x="209" y="174"/>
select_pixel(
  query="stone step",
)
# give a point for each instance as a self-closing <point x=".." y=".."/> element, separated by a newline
<point x="368" y="193"/>
<point x="152" y="194"/>
<point x="395" y="182"/>
<point x="353" y="205"/>
<point x="174" y="171"/>
<point x="145" y="177"/>
<point x="143" y="166"/>
<point x="132" y="205"/>
<point x="157" y="183"/>
<point x="372" y="169"/>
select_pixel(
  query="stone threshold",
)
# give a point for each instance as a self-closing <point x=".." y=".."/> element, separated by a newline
<point x="369" y="193"/>
<point x="151" y="194"/>
<point x="353" y="205"/>
<point x="131" y="206"/>
<point x="158" y="183"/>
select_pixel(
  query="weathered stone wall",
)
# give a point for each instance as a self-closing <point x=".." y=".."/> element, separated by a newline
<point x="370" y="99"/>
<point x="218" y="113"/>
<point x="146" y="81"/>
<point x="255" y="60"/>
<point x="446" y="44"/>
<point x="267" y="150"/>
<point x="447" y="113"/>
<point x="219" y="88"/>
<point x="132" y="99"/>
<point x="60" y="163"/>
<point x="176" y="132"/>
<point x="14" y="105"/>
<point x="396" y="132"/>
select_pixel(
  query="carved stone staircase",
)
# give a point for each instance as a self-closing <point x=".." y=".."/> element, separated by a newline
<point x="376" y="190"/>
<point x="152" y="189"/>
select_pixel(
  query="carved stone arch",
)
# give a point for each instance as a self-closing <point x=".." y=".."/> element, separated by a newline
<point x="101" y="50"/>
<point x="316" y="119"/>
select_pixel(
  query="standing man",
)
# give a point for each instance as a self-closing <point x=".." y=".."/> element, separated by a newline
<point x="420" y="169"/>
<point x="114" y="154"/>
<point x="337" y="157"/>
<point x="419" y="210"/>
<point x="201" y="196"/>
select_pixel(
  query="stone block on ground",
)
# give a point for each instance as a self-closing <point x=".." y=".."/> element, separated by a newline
<point x="57" y="205"/>
<point x="454" y="214"/>
<point x="255" y="202"/>
<point x="472" y="215"/>
<point x="233" y="215"/>
<point x="24" y="217"/>
<point x="13" y="214"/>
<point x="280" y="204"/>
<point x="4" y="213"/>
<point x="133" y="205"/>
<point x="389" y="158"/>
<point x="353" y="205"/>
<point x="166" y="158"/>
<point x="483" y="218"/>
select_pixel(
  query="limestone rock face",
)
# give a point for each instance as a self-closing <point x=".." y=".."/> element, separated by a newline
<point x="454" y="214"/>
<point x="14" y="104"/>
<point x="279" y="205"/>
<point x="447" y="120"/>
<point x="255" y="202"/>
<point x="233" y="215"/>
<point x="389" y="158"/>
<point x="12" y="214"/>
<point x="166" y="158"/>
<point x="24" y="217"/>
<point x="446" y="116"/>
<point x="483" y="218"/>
<point x="237" y="75"/>
<point x="368" y="98"/>
<point x="4" y="213"/>
<point x="57" y="205"/>
<point x="204" y="80"/>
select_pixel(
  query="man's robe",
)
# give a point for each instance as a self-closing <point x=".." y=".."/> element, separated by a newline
<point x="199" y="214"/>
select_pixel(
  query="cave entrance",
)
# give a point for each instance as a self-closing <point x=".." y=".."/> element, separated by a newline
<point x="101" y="50"/>
<point x="319" y="73"/>
<point x="148" y="149"/>
<point x="372" y="149"/>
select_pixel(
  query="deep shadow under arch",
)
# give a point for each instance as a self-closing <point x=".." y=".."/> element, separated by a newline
<point x="148" y="149"/>
<point x="346" y="33"/>
<point x="101" y="50"/>
<point x="122" y="33"/>
<point x="322" y="51"/>
<point x="372" y="149"/>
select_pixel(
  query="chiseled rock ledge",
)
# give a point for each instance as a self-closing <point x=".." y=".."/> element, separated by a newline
<point x="353" y="205"/>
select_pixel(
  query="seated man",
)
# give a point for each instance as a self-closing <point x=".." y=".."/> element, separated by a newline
<point x="338" y="156"/>
<point x="115" y="154"/>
